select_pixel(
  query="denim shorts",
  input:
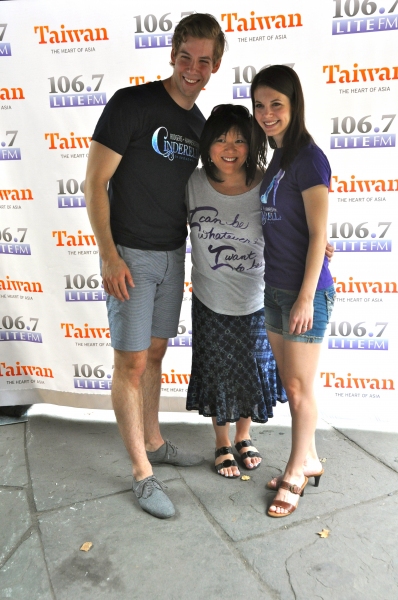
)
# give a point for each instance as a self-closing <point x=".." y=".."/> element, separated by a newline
<point x="278" y="304"/>
<point x="153" y="309"/>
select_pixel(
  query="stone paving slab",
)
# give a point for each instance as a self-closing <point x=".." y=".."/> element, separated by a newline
<point x="240" y="507"/>
<point x="12" y="455"/>
<point x="24" y="576"/>
<point x="382" y="445"/>
<point x="73" y="461"/>
<point x="14" y="519"/>
<point x="137" y="556"/>
<point x="358" y="561"/>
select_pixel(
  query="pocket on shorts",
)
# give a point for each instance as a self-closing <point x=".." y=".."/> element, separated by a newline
<point x="330" y="296"/>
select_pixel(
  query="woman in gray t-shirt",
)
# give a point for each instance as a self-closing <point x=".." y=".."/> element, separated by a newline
<point x="234" y="376"/>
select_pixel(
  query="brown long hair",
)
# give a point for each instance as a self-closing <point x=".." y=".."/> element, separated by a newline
<point x="284" y="80"/>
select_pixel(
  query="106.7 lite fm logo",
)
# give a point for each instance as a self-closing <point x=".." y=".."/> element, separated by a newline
<point x="7" y="149"/>
<point x="13" y="243"/>
<point x="89" y="377"/>
<point x="350" y="132"/>
<point x="155" y="32"/>
<point x="5" y="47"/>
<point x="68" y="92"/>
<point x="79" y="288"/>
<point x="357" y="336"/>
<point x="19" y="329"/>
<point x="349" y="237"/>
<point x="68" y="194"/>
<point x="243" y="79"/>
<point x="355" y="16"/>
<point x="183" y="339"/>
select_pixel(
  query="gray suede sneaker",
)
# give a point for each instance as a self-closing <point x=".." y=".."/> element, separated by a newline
<point x="152" y="499"/>
<point x="169" y="454"/>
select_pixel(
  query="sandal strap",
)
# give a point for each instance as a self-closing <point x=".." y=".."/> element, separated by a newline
<point x="243" y="444"/>
<point x="223" y="450"/>
<point x="286" y="505"/>
<point x="294" y="489"/>
<point x="250" y="454"/>
<point x="225" y="464"/>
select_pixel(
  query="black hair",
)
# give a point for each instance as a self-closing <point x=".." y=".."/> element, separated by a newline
<point x="223" y="118"/>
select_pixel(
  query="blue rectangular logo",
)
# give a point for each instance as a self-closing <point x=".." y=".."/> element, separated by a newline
<point x="75" y="100"/>
<point x="85" y="296"/>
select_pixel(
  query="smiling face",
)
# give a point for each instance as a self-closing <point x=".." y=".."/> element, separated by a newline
<point x="193" y="66"/>
<point x="272" y="111"/>
<point x="229" y="153"/>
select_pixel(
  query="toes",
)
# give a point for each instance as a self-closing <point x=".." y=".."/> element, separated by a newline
<point x="277" y="509"/>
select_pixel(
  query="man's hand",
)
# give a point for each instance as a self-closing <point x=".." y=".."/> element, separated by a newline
<point x="329" y="251"/>
<point x="115" y="276"/>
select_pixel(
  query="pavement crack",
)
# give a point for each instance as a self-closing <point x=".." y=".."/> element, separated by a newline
<point x="230" y="543"/>
<point x="299" y="551"/>
<point x="17" y="545"/>
<point x="33" y="509"/>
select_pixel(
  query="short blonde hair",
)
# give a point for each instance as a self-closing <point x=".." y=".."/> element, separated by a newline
<point x="202" y="26"/>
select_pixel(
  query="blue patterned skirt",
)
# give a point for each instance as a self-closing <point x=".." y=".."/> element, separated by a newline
<point x="233" y="373"/>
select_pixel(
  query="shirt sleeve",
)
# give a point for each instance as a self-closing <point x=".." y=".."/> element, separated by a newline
<point x="312" y="169"/>
<point x="118" y="123"/>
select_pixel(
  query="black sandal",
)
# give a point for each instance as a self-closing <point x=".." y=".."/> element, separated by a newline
<point x="226" y="463"/>
<point x="248" y="454"/>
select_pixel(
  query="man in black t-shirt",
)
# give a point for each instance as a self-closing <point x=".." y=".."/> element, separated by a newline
<point x="144" y="149"/>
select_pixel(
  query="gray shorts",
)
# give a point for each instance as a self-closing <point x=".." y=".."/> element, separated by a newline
<point x="153" y="309"/>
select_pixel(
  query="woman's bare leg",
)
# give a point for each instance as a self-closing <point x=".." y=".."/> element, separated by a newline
<point x="297" y="364"/>
<point x="243" y="433"/>
<point x="222" y="439"/>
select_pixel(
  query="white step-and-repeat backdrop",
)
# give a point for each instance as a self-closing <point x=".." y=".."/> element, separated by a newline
<point x="60" y="62"/>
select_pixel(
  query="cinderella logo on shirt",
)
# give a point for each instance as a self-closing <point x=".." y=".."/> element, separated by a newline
<point x="173" y="145"/>
<point x="270" y="213"/>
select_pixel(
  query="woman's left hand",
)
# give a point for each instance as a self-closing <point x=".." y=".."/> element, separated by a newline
<point x="301" y="316"/>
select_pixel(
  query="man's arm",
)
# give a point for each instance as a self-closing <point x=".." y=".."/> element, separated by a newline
<point x="102" y="163"/>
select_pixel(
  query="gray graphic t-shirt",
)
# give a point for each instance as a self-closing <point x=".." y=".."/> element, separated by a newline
<point x="227" y="247"/>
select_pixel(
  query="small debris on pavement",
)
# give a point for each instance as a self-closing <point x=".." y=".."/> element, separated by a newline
<point x="324" y="533"/>
<point x="86" y="547"/>
<point x="245" y="478"/>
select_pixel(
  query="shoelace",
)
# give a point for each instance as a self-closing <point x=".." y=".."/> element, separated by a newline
<point x="145" y="487"/>
<point x="171" y="447"/>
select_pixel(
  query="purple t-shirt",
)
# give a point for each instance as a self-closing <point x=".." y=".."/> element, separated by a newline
<point x="283" y="217"/>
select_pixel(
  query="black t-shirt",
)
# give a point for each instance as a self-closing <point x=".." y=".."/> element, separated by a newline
<point x="159" y="143"/>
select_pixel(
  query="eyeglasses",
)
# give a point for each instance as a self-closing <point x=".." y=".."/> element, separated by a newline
<point x="235" y="109"/>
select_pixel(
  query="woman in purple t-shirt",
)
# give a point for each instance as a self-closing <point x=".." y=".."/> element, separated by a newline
<point x="299" y="292"/>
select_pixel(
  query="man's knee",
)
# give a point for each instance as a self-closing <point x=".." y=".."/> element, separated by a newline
<point x="130" y="365"/>
<point x="157" y="349"/>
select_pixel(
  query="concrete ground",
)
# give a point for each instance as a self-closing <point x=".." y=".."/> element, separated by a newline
<point x="66" y="481"/>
